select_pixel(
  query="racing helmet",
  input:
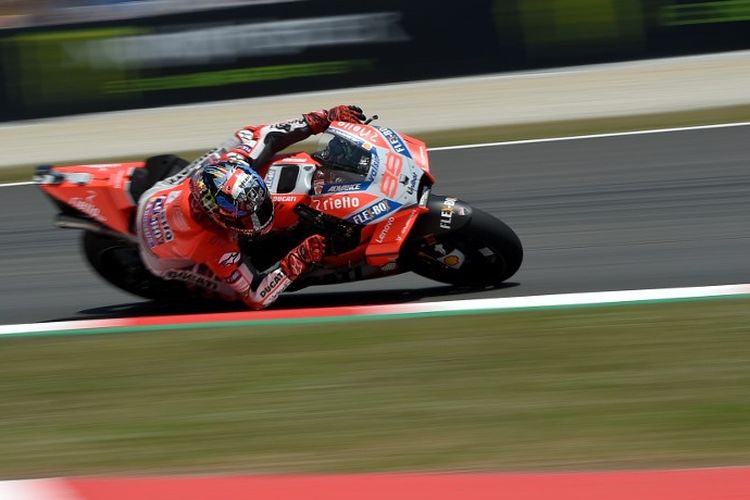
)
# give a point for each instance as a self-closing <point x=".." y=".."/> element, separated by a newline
<point x="233" y="196"/>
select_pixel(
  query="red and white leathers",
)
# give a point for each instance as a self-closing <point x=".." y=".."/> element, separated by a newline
<point x="178" y="241"/>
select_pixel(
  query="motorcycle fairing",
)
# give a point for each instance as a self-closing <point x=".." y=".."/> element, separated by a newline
<point x="390" y="235"/>
<point x="384" y="197"/>
<point x="97" y="191"/>
<point x="384" y="138"/>
<point x="283" y="207"/>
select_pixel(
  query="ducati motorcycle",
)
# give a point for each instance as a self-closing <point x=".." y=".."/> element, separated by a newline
<point x="368" y="190"/>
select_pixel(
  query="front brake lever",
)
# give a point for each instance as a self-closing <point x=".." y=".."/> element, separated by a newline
<point x="373" y="117"/>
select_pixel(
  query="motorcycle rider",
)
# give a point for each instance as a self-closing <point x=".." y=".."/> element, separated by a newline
<point x="188" y="224"/>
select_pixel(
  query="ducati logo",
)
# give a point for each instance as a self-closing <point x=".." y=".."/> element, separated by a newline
<point x="230" y="259"/>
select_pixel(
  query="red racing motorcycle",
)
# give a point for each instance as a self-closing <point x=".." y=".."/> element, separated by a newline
<point x="368" y="190"/>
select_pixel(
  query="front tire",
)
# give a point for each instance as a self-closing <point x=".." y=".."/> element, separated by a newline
<point x="484" y="252"/>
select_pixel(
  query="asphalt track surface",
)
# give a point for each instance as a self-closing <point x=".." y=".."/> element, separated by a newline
<point x="614" y="213"/>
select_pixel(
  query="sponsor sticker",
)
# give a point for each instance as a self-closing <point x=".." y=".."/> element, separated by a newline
<point x="446" y="214"/>
<point x="246" y="148"/>
<point x="326" y="203"/>
<point x="386" y="229"/>
<point x="238" y="282"/>
<point x="374" y="168"/>
<point x="454" y="260"/>
<point x="362" y="132"/>
<point x="272" y="285"/>
<point x="191" y="277"/>
<point x="373" y="212"/>
<point x="411" y="188"/>
<point x="283" y="198"/>
<point x="395" y="141"/>
<point x="88" y="206"/>
<point x="154" y="222"/>
<point x="406" y="227"/>
<point x="343" y="188"/>
<point x="230" y="259"/>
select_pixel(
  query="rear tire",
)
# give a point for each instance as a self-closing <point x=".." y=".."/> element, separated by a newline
<point x="119" y="263"/>
<point x="491" y="251"/>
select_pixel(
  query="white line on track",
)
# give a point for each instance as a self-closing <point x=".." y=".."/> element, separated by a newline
<point x="470" y="306"/>
<point x="547" y="139"/>
<point x="593" y="136"/>
<point x="13" y="184"/>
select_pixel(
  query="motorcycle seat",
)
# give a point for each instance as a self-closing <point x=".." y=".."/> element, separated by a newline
<point x="156" y="168"/>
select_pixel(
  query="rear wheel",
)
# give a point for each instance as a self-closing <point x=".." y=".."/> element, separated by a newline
<point x="484" y="252"/>
<point x="119" y="263"/>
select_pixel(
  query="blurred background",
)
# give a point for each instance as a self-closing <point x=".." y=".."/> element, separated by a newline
<point x="75" y="56"/>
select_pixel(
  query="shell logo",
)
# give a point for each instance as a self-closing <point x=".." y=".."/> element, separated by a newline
<point x="451" y="261"/>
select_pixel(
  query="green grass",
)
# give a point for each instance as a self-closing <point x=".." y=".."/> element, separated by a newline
<point x="503" y="133"/>
<point x="637" y="386"/>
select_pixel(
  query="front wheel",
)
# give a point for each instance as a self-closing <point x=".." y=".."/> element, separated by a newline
<point x="483" y="252"/>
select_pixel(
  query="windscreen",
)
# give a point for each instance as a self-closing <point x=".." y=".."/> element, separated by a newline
<point x="340" y="154"/>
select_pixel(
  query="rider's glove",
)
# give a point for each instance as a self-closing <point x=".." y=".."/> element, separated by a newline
<point x="318" y="121"/>
<point x="308" y="252"/>
<point x="350" y="114"/>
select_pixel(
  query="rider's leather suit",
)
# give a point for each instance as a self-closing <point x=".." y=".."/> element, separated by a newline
<point x="178" y="242"/>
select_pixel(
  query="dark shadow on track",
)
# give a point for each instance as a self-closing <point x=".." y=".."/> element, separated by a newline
<point x="291" y="301"/>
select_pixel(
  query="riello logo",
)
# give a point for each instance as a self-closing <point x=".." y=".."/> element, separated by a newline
<point x="336" y="203"/>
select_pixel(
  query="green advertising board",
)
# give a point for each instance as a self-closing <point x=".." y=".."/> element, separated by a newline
<point x="50" y="68"/>
<point x="267" y="49"/>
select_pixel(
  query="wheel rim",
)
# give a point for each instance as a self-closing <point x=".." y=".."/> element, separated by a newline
<point x="483" y="261"/>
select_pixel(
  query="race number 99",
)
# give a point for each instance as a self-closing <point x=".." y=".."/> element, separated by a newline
<point x="389" y="184"/>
